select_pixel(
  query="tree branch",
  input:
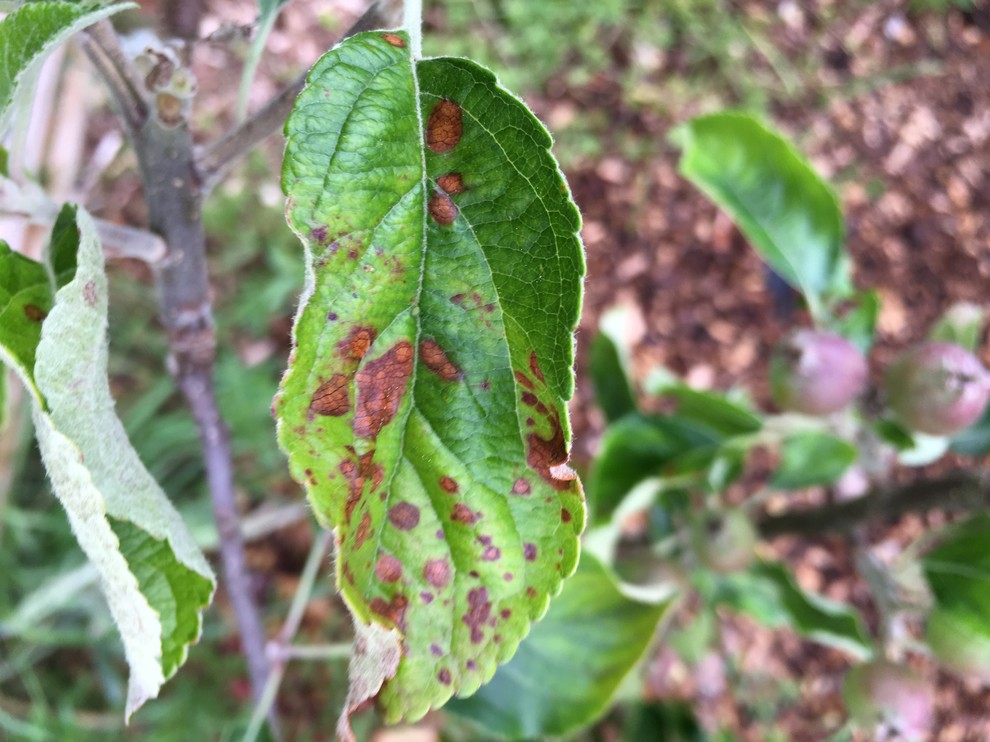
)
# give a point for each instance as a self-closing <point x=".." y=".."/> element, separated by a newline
<point x="956" y="492"/>
<point x="216" y="159"/>
<point x="175" y="198"/>
<point x="101" y="45"/>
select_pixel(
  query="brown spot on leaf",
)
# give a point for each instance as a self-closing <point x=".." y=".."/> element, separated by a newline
<point x="449" y="485"/>
<point x="491" y="554"/>
<point x="452" y="183"/>
<point x="394" y="40"/>
<point x="332" y="397"/>
<point x="505" y="612"/>
<point x="479" y="608"/>
<point x="404" y="516"/>
<point x="521" y="487"/>
<point x="318" y="234"/>
<point x="545" y="455"/>
<point x="565" y="515"/>
<point x="444" y="676"/>
<point x="394" y="611"/>
<point x="529" y="551"/>
<point x="463" y="514"/>
<point x="444" y="126"/>
<point x="534" y="366"/>
<point x="380" y="387"/>
<point x="530" y="399"/>
<point x="348" y="573"/>
<point x="90" y="294"/>
<point x="442" y="209"/>
<point x="35" y="314"/>
<point x="388" y="568"/>
<point x="524" y="380"/>
<point x="426" y="597"/>
<point x="436" y="651"/>
<point x="363" y="531"/>
<point x="437" y="573"/>
<point x="357" y="342"/>
<point x="435" y="359"/>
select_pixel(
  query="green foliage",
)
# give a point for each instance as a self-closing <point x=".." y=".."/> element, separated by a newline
<point x="608" y="368"/>
<point x="958" y="570"/>
<point x="154" y="577"/>
<point x="424" y="408"/>
<point x="564" y="674"/>
<point x="812" y="458"/>
<point x="789" y="215"/>
<point x="30" y="32"/>
<point x="768" y="593"/>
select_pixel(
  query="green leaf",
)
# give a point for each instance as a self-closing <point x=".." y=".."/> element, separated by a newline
<point x="424" y="408"/>
<point x="812" y="458"/>
<point x="768" y="593"/>
<point x="859" y="323"/>
<point x="633" y="449"/>
<point x="566" y="671"/>
<point x="958" y="572"/>
<point x="669" y="721"/>
<point x="155" y="579"/>
<point x="609" y="378"/>
<point x="712" y="410"/>
<point x="28" y="35"/>
<point x="787" y="212"/>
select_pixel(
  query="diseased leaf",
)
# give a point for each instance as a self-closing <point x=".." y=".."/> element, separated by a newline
<point x="566" y="671"/>
<point x="156" y="581"/>
<point x="811" y="458"/>
<point x="787" y="212"/>
<point x="424" y="407"/>
<point x="30" y="32"/>
<point x="768" y="593"/>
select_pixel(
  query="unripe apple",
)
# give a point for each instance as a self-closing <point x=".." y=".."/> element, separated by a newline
<point x="881" y="691"/>
<point x="937" y="388"/>
<point x="816" y="372"/>
<point x="957" y="646"/>
<point x="724" y="540"/>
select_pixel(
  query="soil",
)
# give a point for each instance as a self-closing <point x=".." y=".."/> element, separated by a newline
<point x="894" y="110"/>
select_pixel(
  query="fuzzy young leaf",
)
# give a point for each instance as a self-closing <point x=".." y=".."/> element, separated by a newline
<point x="30" y="32"/>
<point x="425" y="404"/>
<point x="787" y="212"/>
<point x="156" y="581"/>
<point x="566" y="671"/>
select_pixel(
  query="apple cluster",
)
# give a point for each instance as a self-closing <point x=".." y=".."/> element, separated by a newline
<point x="936" y="388"/>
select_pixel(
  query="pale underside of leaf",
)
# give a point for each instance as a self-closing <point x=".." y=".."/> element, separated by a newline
<point x="155" y="579"/>
<point x="425" y="404"/>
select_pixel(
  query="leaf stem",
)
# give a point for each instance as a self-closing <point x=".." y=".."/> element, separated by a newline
<point x="412" y="23"/>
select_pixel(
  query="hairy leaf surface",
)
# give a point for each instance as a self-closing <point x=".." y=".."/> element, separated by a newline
<point x="425" y="403"/>
<point x="53" y="331"/>
<point x="31" y="31"/>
